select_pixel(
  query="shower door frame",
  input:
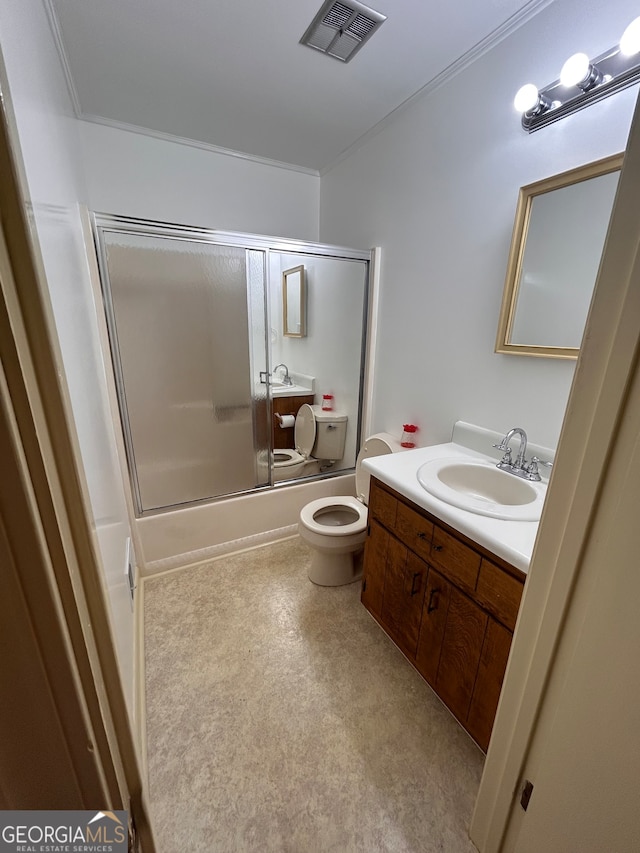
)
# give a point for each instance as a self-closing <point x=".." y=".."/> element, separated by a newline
<point x="279" y="245"/>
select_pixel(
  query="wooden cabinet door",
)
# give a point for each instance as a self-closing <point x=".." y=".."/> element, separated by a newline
<point x="460" y="655"/>
<point x="375" y="563"/>
<point x="403" y="595"/>
<point x="286" y="406"/>
<point x="493" y="662"/>
<point x="434" y="619"/>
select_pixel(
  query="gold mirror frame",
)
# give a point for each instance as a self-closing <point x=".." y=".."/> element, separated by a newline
<point x="526" y="197"/>
<point x="294" y="303"/>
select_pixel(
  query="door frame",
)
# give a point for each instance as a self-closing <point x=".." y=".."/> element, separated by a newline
<point x="45" y="521"/>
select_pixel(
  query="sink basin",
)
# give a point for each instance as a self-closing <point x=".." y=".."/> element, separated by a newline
<point x="480" y="487"/>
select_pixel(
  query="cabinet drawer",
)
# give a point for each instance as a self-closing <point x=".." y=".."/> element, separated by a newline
<point x="454" y="559"/>
<point x="414" y="530"/>
<point x="499" y="593"/>
<point x="382" y="505"/>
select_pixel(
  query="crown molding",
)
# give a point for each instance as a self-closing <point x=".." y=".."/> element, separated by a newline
<point x="54" y="26"/>
<point x="195" y="143"/>
<point x="484" y="46"/>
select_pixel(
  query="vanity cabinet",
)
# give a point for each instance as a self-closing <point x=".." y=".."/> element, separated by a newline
<point x="284" y="438"/>
<point x="448" y="603"/>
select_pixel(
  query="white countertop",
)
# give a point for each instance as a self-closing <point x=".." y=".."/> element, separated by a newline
<point x="290" y="391"/>
<point x="511" y="540"/>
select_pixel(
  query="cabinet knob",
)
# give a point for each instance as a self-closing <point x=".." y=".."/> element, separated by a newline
<point x="437" y="547"/>
<point x="422" y="536"/>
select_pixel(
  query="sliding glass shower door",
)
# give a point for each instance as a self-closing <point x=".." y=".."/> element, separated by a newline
<point x="187" y="325"/>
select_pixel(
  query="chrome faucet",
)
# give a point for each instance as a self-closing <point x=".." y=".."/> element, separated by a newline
<point x="521" y="461"/>
<point x="286" y="379"/>
<point x="520" y="467"/>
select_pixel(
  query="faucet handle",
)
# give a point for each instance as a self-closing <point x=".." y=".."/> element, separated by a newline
<point x="536" y="461"/>
<point x="506" y="459"/>
<point x="532" y="467"/>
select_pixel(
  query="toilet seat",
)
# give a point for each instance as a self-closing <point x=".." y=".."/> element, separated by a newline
<point x="346" y="502"/>
<point x="287" y="457"/>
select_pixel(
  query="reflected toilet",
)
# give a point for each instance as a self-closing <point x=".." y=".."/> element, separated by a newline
<point x="335" y="528"/>
<point x="319" y="440"/>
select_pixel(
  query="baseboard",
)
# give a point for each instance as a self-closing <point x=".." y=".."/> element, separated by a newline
<point x="140" y="696"/>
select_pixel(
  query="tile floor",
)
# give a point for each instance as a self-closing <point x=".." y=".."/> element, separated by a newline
<point x="281" y="718"/>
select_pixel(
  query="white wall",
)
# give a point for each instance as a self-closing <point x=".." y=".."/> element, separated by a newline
<point x="137" y="175"/>
<point x="49" y="145"/>
<point x="437" y="189"/>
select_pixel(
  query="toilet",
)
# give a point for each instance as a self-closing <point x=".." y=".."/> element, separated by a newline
<point x="335" y="528"/>
<point x="319" y="438"/>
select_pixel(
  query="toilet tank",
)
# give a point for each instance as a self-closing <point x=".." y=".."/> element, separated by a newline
<point x="331" y="433"/>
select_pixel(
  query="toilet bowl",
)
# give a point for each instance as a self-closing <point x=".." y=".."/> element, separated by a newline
<point x="335" y="528"/>
<point x="319" y="438"/>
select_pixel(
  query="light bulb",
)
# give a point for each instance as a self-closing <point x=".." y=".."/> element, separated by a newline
<point x="527" y="97"/>
<point x="575" y="69"/>
<point x="630" y="41"/>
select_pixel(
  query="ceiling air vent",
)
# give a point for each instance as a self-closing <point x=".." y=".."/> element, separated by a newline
<point x="340" y="29"/>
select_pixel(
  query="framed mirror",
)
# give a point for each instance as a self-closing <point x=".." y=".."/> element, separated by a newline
<point x="559" y="232"/>
<point x="294" y="303"/>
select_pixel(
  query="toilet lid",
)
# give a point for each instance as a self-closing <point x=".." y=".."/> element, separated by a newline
<point x="305" y="430"/>
<point x="376" y="445"/>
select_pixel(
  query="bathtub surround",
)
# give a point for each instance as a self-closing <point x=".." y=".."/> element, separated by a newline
<point x="281" y="718"/>
<point x="196" y="533"/>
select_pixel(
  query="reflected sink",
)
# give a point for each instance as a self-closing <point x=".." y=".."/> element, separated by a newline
<point x="278" y="389"/>
<point x="479" y="487"/>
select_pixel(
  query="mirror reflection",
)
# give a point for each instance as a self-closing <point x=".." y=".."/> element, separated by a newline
<point x="324" y="367"/>
<point x="294" y="302"/>
<point x="559" y="234"/>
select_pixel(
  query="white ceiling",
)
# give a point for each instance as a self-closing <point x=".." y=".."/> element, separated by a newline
<point x="232" y="74"/>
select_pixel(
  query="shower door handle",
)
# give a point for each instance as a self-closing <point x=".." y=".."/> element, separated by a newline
<point x="264" y="377"/>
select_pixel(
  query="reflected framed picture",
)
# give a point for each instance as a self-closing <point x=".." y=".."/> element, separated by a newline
<point x="294" y="303"/>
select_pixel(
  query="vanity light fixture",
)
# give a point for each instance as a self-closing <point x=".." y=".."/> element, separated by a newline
<point x="529" y="100"/>
<point x="578" y="71"/>
<point x="582" y="82"/>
